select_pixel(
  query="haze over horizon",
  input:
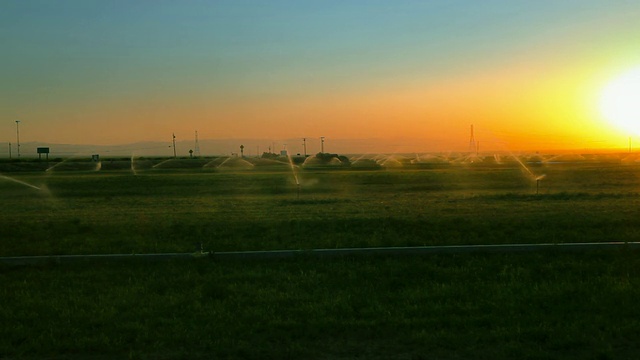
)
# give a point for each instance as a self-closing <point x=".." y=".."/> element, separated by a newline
<point x="527" y="74"/>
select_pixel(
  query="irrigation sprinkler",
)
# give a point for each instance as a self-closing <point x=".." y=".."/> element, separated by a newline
<point x="538" y="183"/>
<point x="537" y="178"/>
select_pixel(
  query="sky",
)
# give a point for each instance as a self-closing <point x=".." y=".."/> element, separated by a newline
<point x="526" y="74"/>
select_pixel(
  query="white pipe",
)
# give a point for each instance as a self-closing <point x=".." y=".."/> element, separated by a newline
<point x="279" y="254"/>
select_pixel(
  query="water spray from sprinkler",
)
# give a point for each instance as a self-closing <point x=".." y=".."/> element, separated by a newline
<point x="133" y="168"/>
<point x="52" y="167"/>
<point x="295" y="176"/>
<point x="19" y="182"/>
<point x="535" y="177"/>
<point x="359" y="158"/>
<point x="225" y="160"/>
<point x="538" y="182"/>
<point x="161" y="163"/>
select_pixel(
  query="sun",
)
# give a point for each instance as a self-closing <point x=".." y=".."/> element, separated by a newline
<point x="620" y="101"/>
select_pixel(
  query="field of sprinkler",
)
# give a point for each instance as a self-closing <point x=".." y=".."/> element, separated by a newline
<point x="481" y="305"/>
<point x="152" y="205"/>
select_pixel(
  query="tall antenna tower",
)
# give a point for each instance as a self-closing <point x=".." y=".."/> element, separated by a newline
<point x="472" y="142"/>
<point x="197" y="147"/>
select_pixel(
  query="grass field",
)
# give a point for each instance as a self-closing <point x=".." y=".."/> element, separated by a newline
<point x="494" y="306"/>
<point x="164" y="211"/>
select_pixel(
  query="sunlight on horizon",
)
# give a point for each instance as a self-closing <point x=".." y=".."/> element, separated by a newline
<point x="620" y="101"/>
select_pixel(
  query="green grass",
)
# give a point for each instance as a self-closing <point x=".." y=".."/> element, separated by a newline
<point x="494" y="306"/>
<point x="159" y="211"/>
<point x="527" y="306"/>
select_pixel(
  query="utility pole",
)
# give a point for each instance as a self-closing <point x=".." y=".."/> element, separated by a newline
<point x="197" y="147"/>
<point x="304" y="145"/>
<point x="9" y="150"/>
<point x="472" y="141"/>
<point x="18" y="135"/>
<point x="174" y="146"/>
<point x="322" y="144"/>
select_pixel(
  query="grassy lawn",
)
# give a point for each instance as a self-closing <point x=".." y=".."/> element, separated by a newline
<point x="484" y="306"/>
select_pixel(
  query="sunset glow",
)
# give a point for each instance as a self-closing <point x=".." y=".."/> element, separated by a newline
<point x="620" y="102"/>
<point x="400" y="76"/>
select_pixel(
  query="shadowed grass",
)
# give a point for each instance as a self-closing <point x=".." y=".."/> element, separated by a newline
<point x="531" y="306"/>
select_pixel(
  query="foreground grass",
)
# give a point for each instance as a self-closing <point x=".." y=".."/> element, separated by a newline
<point x="525" y="306"/>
